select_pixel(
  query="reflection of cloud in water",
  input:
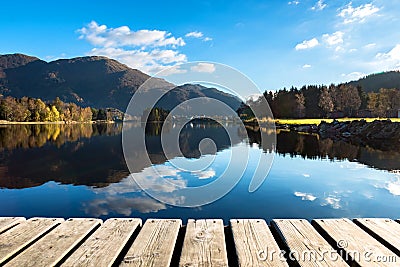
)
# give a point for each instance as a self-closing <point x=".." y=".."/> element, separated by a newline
<point x="305" y="196"/>
<point x="149" y="179"/>
<point x="334" y="202"/>
<point x="122" y="205"/>
<point x="394" y="186"/>
<point x="204" y="174"/>
<point x="368" y="195"/>
<point x="353" y="166"/>
<point x="116" y="199"/>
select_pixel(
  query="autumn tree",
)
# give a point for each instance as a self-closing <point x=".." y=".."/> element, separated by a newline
<point x="326" y="101"/>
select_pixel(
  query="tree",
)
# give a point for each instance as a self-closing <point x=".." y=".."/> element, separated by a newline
<point x="325" y="101"/>
<point x="300" y="105"/>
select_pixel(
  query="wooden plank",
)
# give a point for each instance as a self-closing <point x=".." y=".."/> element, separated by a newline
<point x="305" y="245"/>
<point x="359" y="246"/>
<point x="22" y="235"/>
<point x="103" y="246"/>
<point x="8" y="222"/>
<point x="385" y="230"/>
<point x="53" y="247"/>
<point x="204" y="244"/>
<point x="154" y="245"/>
<point x="255" y="245"/>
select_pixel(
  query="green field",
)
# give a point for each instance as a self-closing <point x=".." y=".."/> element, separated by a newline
<point x="318" y="121"/>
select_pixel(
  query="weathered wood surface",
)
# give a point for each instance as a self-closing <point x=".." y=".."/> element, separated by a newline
<point x="386" y="231"/>
<point x="204" y="244"/>
<point x="255" y="245"/>
<point x="305" y="245"/>
<point x="53" y="247"/>
<point x="88" y="242"/>
<point x="24" y="234"/>
<point x="359" y="246"/>
<point x="103" y="247"/>
<point x="155" y="244"/>
<point x="8" y="222"/>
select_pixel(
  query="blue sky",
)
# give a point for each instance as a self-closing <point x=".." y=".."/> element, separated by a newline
<point x="275" y="43"/>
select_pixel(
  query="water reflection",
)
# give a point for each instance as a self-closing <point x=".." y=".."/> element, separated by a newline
<point x="91" y="154"/>
<point x="87" y="154"/>
<point x="310" y="177"/>
<point x="312" y="146"/>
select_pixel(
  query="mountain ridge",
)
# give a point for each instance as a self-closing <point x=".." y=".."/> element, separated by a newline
<point x="375" y="81"/>
<point x="93" y="81"/>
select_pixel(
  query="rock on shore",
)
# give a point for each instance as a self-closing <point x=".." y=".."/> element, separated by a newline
<point x="382" y="134"/>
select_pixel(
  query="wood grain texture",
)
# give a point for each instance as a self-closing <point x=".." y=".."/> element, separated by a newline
<point x="359" y="246"/>
<point x="8" y="222"/>
<point x="254" y="244"/>
<point x="204" y="244"/>
<point x="385" y="230"/>
<point x="155" y="244"/>
<point x="22" y="235"/>
<point x="306" y="246"/>
<point x="103" y="246"/>
<point x="54" y="246"/>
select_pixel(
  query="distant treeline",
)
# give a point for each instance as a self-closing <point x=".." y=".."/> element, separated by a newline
<point x="154" y="115"/>
<point x="343" y="100"/>
<point x="28" y="109"/>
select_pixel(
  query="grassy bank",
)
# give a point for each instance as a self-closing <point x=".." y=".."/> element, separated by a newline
<point x="318" y="121"/>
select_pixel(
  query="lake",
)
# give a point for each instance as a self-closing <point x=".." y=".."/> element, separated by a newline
<point x="79" y="170"/>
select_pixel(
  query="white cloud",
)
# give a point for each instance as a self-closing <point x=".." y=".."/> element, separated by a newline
<point x="305" y="196"/>
<point x="194" y="34"/>
<point x="147" y="50"/>
<point x="306" y="66"/>
<point x="294" y="3"/>
<point x="203" y="67"/>
<point x="307" y="44"/>
<point x="358" y="14"/>
<point x="149" y="61"/>
<point x="101" y="35"/>
<point x="253" y="97"/>
<point x="320" y="5"/>
<point x="370" y="46"/>
<point x="333" y="39"/>
<point x="389" y="60"/>
<point x="353" y="75"/>
<point x="172" y="70"/>
<point x="198" y="35"/>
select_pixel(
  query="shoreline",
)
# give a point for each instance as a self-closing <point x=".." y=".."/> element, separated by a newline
<point x="3" y="122"/>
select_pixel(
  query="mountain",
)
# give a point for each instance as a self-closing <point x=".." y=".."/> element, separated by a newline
<point x="14" y="61"/>
<point x="202" y="106"/>
<point x="91" y="81"/>
<point x="88" y="81"/>
<point x="374" y="82"/>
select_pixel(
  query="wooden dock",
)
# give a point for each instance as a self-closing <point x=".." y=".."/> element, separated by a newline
<point x="166" y="242"/>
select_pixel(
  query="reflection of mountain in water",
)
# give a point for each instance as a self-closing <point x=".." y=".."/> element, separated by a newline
<point x="86" y="154"/>
<point x="91" y="154"/>
<point x="313" y="147"/>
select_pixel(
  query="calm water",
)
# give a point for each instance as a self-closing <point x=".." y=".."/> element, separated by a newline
<point x="80" y="171"/>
